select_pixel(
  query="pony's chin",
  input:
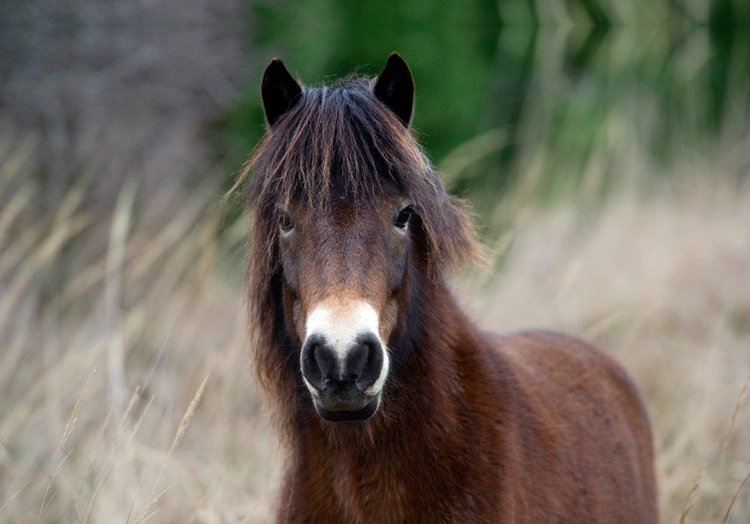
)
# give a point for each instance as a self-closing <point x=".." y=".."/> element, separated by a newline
<point x="349" y="415"/>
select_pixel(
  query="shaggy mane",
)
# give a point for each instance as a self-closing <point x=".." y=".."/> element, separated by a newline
<point x="337" y="141"/>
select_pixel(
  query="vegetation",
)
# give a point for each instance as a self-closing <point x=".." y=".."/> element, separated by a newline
<point x="502" y="84"/>
<point x="126" y="390"/>
<point x="604" y="147"/>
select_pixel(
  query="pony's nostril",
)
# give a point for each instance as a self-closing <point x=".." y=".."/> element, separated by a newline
<point x="369" y="361"/>
<point x="357" y="361"/>
<point x="318" y="361"/>
<point x="325" y="359"/>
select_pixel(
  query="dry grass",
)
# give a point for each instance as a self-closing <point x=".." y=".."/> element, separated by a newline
<point x="664" y="283"/>
<point x="125" y="389"/>
<point x="124" y="378"/>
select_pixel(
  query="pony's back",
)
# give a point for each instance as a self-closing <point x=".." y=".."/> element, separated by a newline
<point x="584" y="439"/>
<point x="393" y="406"/>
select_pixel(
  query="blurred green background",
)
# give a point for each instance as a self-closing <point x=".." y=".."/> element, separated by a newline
<point x="561" y="94"/>
<point x="604" y="145"/>
<point x="502" y="85"/>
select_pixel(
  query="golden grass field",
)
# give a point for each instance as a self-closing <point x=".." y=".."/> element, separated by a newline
<point x="126" y="393"/>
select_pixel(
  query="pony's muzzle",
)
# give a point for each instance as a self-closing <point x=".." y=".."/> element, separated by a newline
<point x="345" y="382"/>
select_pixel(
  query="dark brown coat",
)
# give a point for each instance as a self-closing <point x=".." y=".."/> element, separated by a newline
<point x="531" y="427"/>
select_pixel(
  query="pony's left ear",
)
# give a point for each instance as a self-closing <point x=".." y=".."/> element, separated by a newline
<point x="395" y="88"/>
<point x="280" y="91"/>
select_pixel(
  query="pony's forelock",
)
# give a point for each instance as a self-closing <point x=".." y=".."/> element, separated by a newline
<point x="338" y="141"/>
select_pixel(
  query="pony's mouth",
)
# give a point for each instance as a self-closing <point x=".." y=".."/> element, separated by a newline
<point x="345" y="414"/>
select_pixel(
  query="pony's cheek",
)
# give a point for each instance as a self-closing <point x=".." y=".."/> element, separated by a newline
<point x="293" y="314"/>
<point x="388" y="319"/>
<point x="298" y="319"/>
<point x="397" y="269"/>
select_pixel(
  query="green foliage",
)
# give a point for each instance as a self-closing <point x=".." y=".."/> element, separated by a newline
<point x="449" y="45"/>
<point x="505" y="85"/>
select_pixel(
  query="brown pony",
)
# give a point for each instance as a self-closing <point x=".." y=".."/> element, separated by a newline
<point x="392" y="405"/>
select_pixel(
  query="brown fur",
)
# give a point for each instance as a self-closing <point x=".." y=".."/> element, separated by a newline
<point x="524" y="427"/>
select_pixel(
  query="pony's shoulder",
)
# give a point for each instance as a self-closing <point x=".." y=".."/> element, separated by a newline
<point x="549" y="345"/>
<point x="562" y="363"/>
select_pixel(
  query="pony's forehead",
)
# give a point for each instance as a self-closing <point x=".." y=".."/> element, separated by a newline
<point x="339" y="143"/>
<point x="342" y="192"/>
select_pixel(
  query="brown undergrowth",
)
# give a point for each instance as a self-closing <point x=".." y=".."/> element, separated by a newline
<point x="125" y="388"/>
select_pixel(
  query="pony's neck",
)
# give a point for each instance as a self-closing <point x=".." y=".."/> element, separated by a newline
<point x="445" y="349"/>
<point x="429" y="382"/>
<point x="420" y="427"/>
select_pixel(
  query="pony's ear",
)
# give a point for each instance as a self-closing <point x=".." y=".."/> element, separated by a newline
<point x="279" y="90"/>
<point x="395" y="88"/>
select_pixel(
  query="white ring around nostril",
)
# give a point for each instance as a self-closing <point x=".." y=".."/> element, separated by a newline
<point x="377" y="387"/>
<point x="341" y="326"/>
<point x="313" y="390"/>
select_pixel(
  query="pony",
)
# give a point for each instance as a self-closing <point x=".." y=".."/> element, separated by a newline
<point x="390" y="403"/>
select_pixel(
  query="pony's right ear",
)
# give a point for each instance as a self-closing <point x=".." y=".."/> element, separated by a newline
<point x="280" y="91"/>
<point x="395" y="88"/>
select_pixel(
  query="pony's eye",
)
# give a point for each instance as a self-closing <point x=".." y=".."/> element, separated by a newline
<point x="286" y="224"/>
<point x="403" y="217"/>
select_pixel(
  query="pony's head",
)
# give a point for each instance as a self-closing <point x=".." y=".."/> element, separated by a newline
<point x="350" y="228"/>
